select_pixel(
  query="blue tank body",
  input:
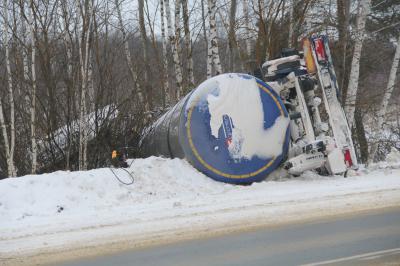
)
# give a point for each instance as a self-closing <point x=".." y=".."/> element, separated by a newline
<point x="210" y="136"/>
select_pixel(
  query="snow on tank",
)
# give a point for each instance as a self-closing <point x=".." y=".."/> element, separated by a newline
<point x="232" y="127"/>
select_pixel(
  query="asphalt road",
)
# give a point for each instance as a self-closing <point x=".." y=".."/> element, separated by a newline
<point x="362" y="239"/>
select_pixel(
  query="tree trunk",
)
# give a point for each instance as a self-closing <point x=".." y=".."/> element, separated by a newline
<point x="178" y="51"/>
<point x="165" y="56"/>
<point x="262" y="38"/>
<point x="143" y="35"/>
<point x="207" y="42"/>
<point x="33" y="93"/>
<point x="247" y="35"/>
<point x="87" y="19"/>
<point x="132" y="71"/>
<point x="386" y="97"/>
<point x="364" y="10"/>
<point x="67" y="38"/>
<point x="25" y="45"/>
<point x="174" y="42"/>
<point x="10" y="146"/>
<point x="212" y="8"/>
<point x="188" y="43"/>
<point x="360" y="133"/>
<point x="231" y="35"/>
<point x="343" y="17"/>
<point x="291" y="23"/>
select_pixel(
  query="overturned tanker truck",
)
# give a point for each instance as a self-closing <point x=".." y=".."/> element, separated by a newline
<point x="237" y="128"/>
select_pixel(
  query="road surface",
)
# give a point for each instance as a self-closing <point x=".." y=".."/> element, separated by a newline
<point x="363" y="239"/>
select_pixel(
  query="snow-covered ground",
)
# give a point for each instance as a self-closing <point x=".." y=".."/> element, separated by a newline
<point x="171" y="200"/>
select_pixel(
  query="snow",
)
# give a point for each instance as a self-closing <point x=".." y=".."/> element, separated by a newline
<point x="239" y="98"/>
<point x="94" y="119"/>
<point x="393" y="156"/>
<point x="169" y="198"/>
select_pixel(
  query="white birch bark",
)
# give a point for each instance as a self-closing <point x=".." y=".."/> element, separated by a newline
<point x="165" y="56"/>
<point x="188" y="42"/>
<point x="174" y="40"/>
<point x="386" y="97"/>
<point x="207" y="41"/>
<point x="10" y="145"/>
<point x="365" y="7"/>
<point x="209" y="59"/>
<point x="2" y="119"/>
<point x="178" y="51"/>
<point x="33" y="93"/>
<point x="212" y="8"/>
<point x="87" y="18"/>
<point x="24" y="42"/>
<point x="247" y="26"/>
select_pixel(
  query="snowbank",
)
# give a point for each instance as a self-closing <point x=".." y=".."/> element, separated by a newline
<point x="64" y="209"/>
<point x="60" y="194"/>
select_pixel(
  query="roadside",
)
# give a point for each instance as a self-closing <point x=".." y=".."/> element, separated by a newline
<point x="356" y="239"/>
<point x="183" y="205"/>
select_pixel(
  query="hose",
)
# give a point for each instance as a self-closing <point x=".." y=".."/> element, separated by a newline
<point x="132" y="179"/>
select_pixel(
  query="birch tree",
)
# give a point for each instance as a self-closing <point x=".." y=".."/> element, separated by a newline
<point x="84" y="55"/>
<point x="24" y="45"/>
<point x="207" y="41"/>
<point x="165" y="55"/>
<point x="67" y="37"/>
<point x="26" y="80"/>
<point x="128" y="56"/>
<point x="9" y="143"/>
<point x="213" y="49"/>
<point x="178" y="51"/>
<point x="209" y="59"/>
<point x="364" y="10"/>
<point x="31" y="22"/>
<point x="386" y="97"/>
<point x="174" y="43"/>
<point x="247" y="36"/>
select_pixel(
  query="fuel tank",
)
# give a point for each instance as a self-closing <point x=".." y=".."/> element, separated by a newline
<point x="232" y="127"/>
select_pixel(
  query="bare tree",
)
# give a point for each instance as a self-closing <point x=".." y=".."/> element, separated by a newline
<point x="343" y="17"/>
<point x="188" y="42"/>
<point x="177" y="50"/>
<point x="33" y="91"/>
<point x="247" y="35"/>
<point x="143" y="34"/>
<point x="364" y="10"/>
<point x="386" y="97"/>
<point x="84" y="54"/>
<point x="128" y="56"/>
<point x="291" y="23"/>
<point x="231" y="34"/>
<point x="165" y="56"/>
<point x="175" y="44"/>
<point x="9" y="144"/>
<point x="213" y="39"/>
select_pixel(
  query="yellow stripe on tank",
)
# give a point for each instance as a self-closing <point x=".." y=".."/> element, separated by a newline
<point x="211" y="168"/>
